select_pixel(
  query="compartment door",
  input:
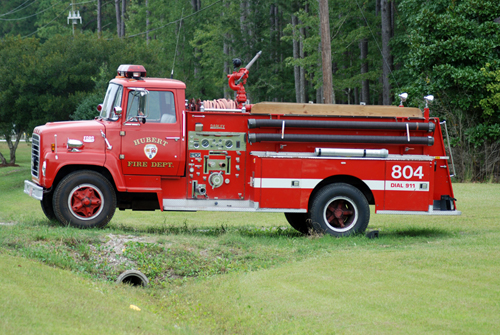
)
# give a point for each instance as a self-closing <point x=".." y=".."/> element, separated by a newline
<point x="407" y="186"/>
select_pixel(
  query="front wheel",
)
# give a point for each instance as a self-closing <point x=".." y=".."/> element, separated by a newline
<point x="84" y="199"/>
<point x="339" y="210"/>
<point x="47" y="207"/>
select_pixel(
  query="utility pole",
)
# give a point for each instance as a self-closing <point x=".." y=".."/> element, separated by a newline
<point x="74" y="16"/>
<point x="326" y="52"/>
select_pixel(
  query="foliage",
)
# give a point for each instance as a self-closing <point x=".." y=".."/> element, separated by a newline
<point x="87" y="108"/>
<point x="439" y="48"/>
<point x="443" y="51"/>
<point x="347" y="27"/>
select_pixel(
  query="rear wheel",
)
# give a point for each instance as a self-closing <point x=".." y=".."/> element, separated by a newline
<point x="299" y="222"/>
<point x="84" y="199"/>
<point x="340" y="210"/>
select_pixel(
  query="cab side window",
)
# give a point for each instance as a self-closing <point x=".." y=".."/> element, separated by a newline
<point x="161" y="107"/>
<point x="157" y="106"/>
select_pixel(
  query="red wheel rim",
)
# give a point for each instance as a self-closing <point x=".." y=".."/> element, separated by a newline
<point x="340" y="214"/>
<point x="85" y="202"/>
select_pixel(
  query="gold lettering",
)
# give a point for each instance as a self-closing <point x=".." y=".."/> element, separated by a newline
<point x="161" y="164"/>
<point x="150" y="140"/>
<point x="137" y="164"/>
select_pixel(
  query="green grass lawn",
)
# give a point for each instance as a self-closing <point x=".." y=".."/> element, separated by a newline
<point x="234" y="273"/>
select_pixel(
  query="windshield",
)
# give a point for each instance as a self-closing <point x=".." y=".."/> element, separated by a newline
<point x="112" y="99"/>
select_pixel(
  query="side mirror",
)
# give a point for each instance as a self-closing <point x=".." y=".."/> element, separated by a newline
<point x="99" y="108"/>
<point x="117" y="110"/>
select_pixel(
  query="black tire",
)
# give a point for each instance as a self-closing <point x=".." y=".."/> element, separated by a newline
<point x="84" y="199"/>
<point x="340" y="210"/>
<point x="299" y="222"/>
<point x="47" y="207"/>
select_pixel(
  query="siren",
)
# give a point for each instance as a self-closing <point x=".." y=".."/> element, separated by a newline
<point x="131" y="71"/>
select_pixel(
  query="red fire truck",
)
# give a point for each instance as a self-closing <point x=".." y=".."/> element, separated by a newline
<point x="320" y="165"/>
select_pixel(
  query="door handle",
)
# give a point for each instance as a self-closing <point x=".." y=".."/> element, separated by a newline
<point x="172" y="138"/>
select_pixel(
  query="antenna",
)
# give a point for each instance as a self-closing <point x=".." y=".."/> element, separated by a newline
<point x="176" y="44"/>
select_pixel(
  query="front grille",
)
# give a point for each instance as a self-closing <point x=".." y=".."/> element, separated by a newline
<point x="35" y="155"/>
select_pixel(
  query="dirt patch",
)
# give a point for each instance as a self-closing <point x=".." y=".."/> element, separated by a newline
<point x="116" y="243"/>
<point x="111" y="252"/>
<point x="8" y="164"/>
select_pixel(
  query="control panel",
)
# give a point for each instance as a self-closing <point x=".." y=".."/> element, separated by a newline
<point x="216" y="164"/>
<point x="216" y="141"/>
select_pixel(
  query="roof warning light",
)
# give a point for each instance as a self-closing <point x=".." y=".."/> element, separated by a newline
<point x="131" y="71"/>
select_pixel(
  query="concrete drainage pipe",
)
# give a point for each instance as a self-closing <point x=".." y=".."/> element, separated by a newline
<point x="134" y="278"/>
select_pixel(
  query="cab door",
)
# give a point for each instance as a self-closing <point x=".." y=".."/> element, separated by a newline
<point x="152" y="134"/>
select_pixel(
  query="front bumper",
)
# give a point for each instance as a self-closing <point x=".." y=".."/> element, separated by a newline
<point x="33" y="190"/>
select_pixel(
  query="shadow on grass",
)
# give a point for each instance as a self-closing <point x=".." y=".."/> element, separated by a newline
<point x="268" y="232"/>
<point x="419" y="232"/>
<point x="184" y="229"/>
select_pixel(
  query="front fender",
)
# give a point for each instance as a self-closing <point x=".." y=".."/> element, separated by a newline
<point x="55" y="162"/>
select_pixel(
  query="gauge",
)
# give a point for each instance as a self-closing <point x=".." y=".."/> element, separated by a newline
<point x="205" y="143"/>
<point x="229" y="144"/>
<point x="196" y="144"/>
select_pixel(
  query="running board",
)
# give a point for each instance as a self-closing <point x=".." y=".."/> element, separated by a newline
<point x="430" y="212"/>
<point x="216" y="205"/>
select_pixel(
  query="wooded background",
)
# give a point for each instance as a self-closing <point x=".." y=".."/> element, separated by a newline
<point x="55" y="70"/>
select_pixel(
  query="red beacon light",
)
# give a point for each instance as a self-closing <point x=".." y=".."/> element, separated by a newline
<point x="131" y="71"/>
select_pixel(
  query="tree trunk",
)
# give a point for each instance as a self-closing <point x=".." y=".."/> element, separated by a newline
<point x="319" y="90"/>
<point x="196" y="5"/>
<point x="365" y="84"/>
<point x="243" y="19"/>
<point x="99" y="18"/>
<point x="302" y="70"/>
<point x="3" y="161"/>
<point x="117" y="12"/>
<point x="13" y="146"/>
<point x="386" y="52"/>
<point x="122" y="22"/>
<point x="227" y="67"/>
<point x="296" y="69"/>
<point x="326" y="52"/>
<point x="148" y="13"/>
